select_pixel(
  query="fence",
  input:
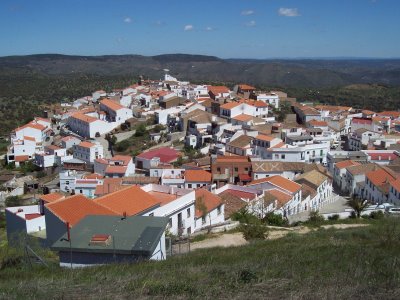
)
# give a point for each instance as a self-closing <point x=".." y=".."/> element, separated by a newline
<point x="176" y="246"/>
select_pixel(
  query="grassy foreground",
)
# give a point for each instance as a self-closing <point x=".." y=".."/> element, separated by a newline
<point x="360" y="263"/>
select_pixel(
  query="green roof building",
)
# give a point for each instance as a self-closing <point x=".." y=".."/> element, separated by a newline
<point x="101" y="239"/>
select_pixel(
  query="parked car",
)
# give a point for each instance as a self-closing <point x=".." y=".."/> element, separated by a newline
<point x="394" y="210"/>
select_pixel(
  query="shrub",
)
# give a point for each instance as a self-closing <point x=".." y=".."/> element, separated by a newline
<point x="377" y="215"/>
<point x="333" y="217"/>
<point x="122" y="145"/>
<point x="315" y="217"/>
<point x="140" y="130"/>
<point x="12" y="201"/>
<point x="243" y="216"/>
<point x="253" y="231"/>
<point x="275" y="220"/>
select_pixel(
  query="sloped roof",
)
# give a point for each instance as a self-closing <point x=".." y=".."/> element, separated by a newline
<point x="346" y="163"/>
<point x="131" y="200"/>
<point x="279" y="181"/>
<point x="132" y="235"/>
<point x="52" y="197"/>
<point x="241" y="142"/>
<point x="165" y="154"/>
<point x="111" y="104"/>
<point x="210" y="201"/>
<point x="232" y="203"/>
<point x="314" y="176"/>
<point x="74" y="208"/>
<point x="197" y="176"/>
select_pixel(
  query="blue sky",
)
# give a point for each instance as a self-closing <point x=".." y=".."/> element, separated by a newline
<point x="228" y="29"/>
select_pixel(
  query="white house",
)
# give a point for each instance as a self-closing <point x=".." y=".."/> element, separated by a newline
<point x="88" y="151"/>
<point x="394" y="192"/>
<point x="115" y="112"/>
<point x="98" y="94"/>
<point x="210" y="209"/>
<point x="117" y="166"/>
<point x="271" y="98"/>
<point x="362" y="138"/>
<point x="22" y="150"/>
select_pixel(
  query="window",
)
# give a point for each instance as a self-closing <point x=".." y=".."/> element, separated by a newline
<point x="189" y="185"/>
<point x="170" y="222"/>
<point x="219" y="209"/>
<point x="218" y="169"/>
<point x="80" y="191"/>
<point x="67" y="182"/>
<point x="188" y="212"/>
<point x="236" y="169"/>
<point x="283" y="156"/>
<point x="203" y="220"/>
<point x="151" y="215"/>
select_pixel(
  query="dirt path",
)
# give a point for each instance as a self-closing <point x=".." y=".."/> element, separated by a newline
<point x="236" y="239"/>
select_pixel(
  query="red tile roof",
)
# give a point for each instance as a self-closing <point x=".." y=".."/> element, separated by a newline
<point x="86" y="144"/>
<point x="243" y="118"/>
<point x="382" y="156"/>
<point x="396" y="184"/>
<point x="246" y="87"/>
<point x="115" y="169"/>
<point x="131" y="200"/>
<point x="197" y="176"/>
<point x="230" y="105"/>
<point x="361" y="121"/>
<point x="218" y="89"/>
<point x="346" y="163"/>
<point x="279" y="181"/>
<point x="32" y="216"/>
<point x="264" y="137"/>
<point x="165" y="154"/>
<point x="21" y="158"/>
<point x="74" y="208"/>
<point x="318" y="123"/>
<point x="111" y="104"/>
<point x="84" y="118"/>
<point x="380" y="177"/>
<point x="52" y="197"/>
<point x="240" y="194"/>
<point x="282" y="197"/>
<point x="208" y="199"/>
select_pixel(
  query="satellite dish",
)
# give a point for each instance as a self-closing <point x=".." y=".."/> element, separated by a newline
<point x="166" y="70"/>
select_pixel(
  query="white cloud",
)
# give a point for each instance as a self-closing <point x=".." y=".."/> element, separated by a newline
<point x="188" y="27"/>
<point x="209" y="28"/>
<point x="247" y="12"/>
<point x="128" y="20"/>
<point x="252" y="23"/>
<point x="288" y="12"/>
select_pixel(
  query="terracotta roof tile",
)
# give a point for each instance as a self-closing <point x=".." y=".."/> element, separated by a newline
<point x="197" y="176"/>
<point x="279" y="181"/>
<point x="208" y="199"/>
<point x="52" y="197"/>
<point x="131" y="200"/>
<point x="111" y="104"/>
<point x="74" y="208"/>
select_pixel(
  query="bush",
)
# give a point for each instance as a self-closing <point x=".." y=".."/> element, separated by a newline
<point x="334" y="217"/>
<point x="253" y="231"/>
<point x="140" y="130"/>
<point x="315" y="218"/>
<point x="244" y="217"/>
<point x="122" y="145"/>
<point x="275" y="220"/>
<point x="377" y="215"/>
<point x="13" y="201"/>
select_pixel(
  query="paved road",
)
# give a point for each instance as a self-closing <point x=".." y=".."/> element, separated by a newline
<point x="338" y="205"/>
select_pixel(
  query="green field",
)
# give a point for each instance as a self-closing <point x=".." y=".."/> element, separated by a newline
<point x="361" y="263"/>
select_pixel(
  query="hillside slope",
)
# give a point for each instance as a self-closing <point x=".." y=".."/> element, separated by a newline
<point x="288" y="73"/>
<point x="358" y="263"/>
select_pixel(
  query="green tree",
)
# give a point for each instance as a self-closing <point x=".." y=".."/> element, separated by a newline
<point x="13" y="201"/>
<point x="357" y="205"/>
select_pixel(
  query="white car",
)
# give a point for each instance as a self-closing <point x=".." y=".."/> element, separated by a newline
<point x="394" y="210"/>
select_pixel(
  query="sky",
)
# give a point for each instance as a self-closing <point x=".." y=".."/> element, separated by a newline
<point x="259" y="29"/>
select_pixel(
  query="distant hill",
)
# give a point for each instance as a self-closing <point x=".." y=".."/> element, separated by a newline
<point x="284" y="73"/>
